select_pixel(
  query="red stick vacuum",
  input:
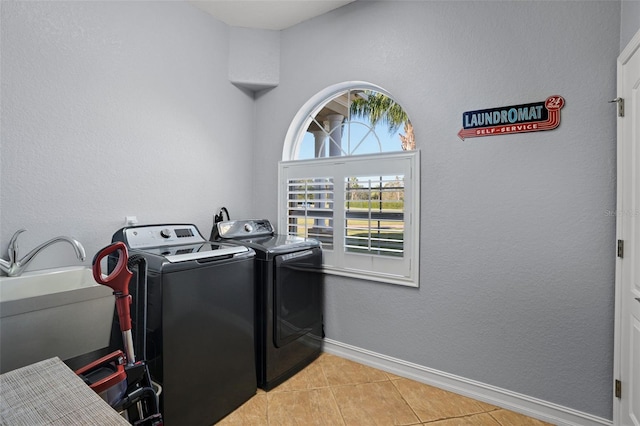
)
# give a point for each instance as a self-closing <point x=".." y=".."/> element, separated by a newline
<point x="121" y="381"/>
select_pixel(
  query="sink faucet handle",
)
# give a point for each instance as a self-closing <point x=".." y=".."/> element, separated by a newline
<point x="13" y="246"/>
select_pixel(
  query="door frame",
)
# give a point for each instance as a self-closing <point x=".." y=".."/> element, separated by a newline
<point x="623" y="59"/>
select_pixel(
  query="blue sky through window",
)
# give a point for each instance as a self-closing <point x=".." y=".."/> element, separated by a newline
<point x="361" y="141"/>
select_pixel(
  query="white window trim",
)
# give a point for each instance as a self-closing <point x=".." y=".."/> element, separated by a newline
<point x="411" y="215"/>
<point x="296" y="132"/>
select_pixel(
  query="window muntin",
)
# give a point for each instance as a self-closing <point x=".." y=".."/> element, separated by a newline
<point x="350" y="178"/>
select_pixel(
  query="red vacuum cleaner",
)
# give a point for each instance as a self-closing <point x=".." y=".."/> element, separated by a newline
<point x="118" y="378"/>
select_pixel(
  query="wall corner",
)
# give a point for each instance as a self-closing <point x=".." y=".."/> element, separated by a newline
<point x="254" y="58"/>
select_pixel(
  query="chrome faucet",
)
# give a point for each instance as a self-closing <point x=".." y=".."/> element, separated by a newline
<point x="14" y="267"/>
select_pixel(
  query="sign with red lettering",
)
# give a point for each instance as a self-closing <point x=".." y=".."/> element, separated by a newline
<point x="507" y="120"/>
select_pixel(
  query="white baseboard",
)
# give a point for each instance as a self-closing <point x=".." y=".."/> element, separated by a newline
<point x="532" y="407"/>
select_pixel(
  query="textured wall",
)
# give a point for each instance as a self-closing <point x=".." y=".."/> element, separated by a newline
<point x="517" y="260"/>
<point x="112" y="109"/>
<point x="630" y="21"/>
<point x="117" y="108"/>
<point x="254" y="58"/>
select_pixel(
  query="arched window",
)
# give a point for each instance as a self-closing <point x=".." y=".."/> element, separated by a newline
<point x="350" y="178"/>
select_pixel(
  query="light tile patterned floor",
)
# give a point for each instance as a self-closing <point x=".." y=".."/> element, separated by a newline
<point x="336" y="391"/>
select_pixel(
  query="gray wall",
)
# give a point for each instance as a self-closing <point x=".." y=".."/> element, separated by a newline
<point x="124" y="108"/>
<point x="630" y="21"/>
<point x="112" y="109"/>
<point x="517" y="260"/>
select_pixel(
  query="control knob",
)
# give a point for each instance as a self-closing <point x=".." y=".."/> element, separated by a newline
<point x="248" y="227"/>
<point x="165" y="233"/>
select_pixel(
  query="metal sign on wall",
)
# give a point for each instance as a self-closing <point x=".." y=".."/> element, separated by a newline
<point x="533" y="117"/>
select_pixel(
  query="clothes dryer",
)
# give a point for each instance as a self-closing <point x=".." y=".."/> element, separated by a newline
<point x="289" y="297"/>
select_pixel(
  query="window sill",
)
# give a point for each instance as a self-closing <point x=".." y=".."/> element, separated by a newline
<point x="370" y="276"/>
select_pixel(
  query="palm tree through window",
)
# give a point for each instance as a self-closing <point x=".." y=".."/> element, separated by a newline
<point x="357" y="122"/>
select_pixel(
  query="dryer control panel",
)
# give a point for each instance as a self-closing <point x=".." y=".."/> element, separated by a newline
<point x="243" y="228"/>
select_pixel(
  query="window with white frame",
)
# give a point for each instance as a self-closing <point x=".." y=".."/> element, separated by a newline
<point x="350" y="178"/>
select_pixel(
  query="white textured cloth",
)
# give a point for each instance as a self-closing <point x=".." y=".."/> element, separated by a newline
<point x="49" y="393"/>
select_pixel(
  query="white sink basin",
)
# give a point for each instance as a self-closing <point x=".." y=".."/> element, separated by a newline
<point x="55" y="312"/>
<point x="39" y="283"/>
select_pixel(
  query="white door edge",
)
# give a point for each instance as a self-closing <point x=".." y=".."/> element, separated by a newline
<point x="624" y="57"/>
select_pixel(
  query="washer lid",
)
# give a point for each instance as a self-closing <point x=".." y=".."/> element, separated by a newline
<point x="176" y="242"/>
<point x="279" y="243"/>
<point x="175" y="254"/>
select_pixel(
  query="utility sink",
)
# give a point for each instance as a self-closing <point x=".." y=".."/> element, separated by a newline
<point x="59" y="312"/>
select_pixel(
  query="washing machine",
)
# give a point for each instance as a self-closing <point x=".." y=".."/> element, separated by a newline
<point x="200" y="320"/>
<point x="289" y="297"/>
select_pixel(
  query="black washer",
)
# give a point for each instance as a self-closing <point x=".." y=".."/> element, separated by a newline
<point x="200" y="326"/>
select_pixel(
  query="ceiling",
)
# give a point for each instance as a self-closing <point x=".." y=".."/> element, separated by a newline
<point x="267" y="14"/>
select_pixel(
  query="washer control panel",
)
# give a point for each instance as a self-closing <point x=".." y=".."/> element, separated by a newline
<point x="162" y="235"/>
<point x="244" y="228"/>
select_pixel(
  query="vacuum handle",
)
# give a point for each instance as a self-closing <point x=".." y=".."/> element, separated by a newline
<point x="118" y="280"/>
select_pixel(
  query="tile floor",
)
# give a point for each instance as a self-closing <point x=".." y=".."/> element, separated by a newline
<point x="336" y="391"/>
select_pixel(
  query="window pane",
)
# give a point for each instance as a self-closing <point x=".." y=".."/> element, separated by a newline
<point x="356" y="122"/>
<point x="350" y="178"/>
<point x="374" y="215"/>
<point x="310" y="209"/>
